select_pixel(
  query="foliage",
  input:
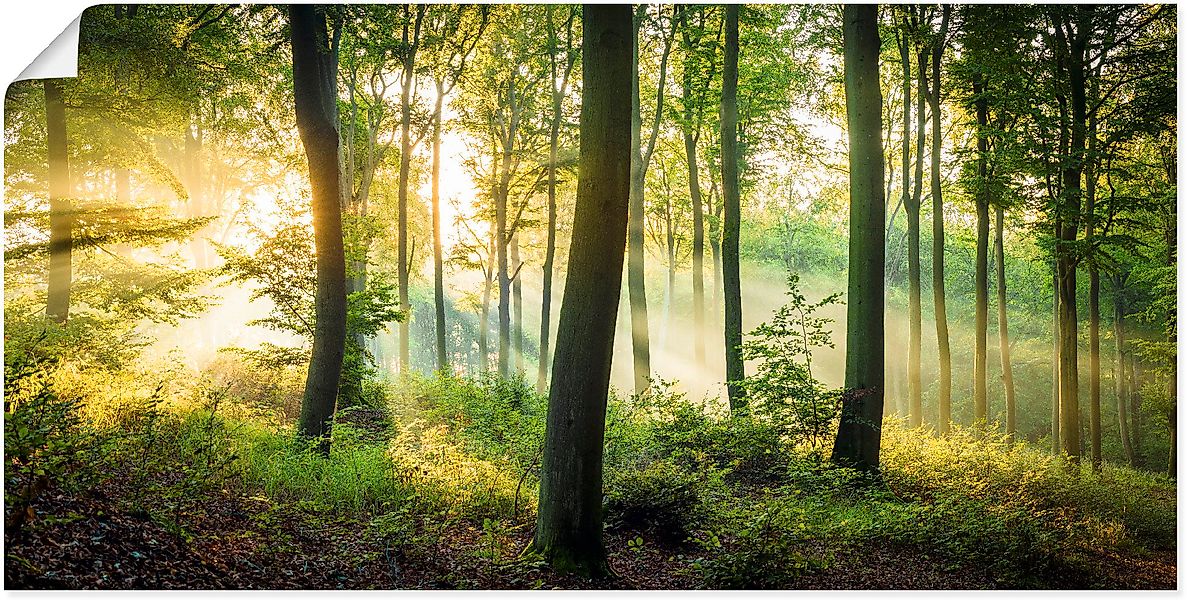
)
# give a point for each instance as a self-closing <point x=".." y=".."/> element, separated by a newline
<point x="782" y="388"/>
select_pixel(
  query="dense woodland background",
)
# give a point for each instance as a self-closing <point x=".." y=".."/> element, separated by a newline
<point x="284" y="288"/>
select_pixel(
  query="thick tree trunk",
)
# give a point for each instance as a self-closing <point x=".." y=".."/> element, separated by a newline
<point x="944" y="400"/>
<point x="315" y="96"/>
<point x="981" y="268"/>
<point x="735" y="369"/>
<point x="569" y="522"/>
<point x="1003" y="329"/>
<point x="1069" y="388"/>
<point x="438" y="262"/>
<point x="61" y="219"/>
<point x="859" y="434"/>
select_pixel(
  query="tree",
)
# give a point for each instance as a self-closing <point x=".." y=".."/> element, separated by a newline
<point x="409" y="44"/>
<point x="735" y="369"/>
<point x="560" y="69"/>
<point x="569" y="522"/>
<point x="693" y="113"/>
<point x="911" y="201"/>
<point x="315" y="98"/>
<point x="932" y="90"/>
<point x="61" y="224"/>
<point x="640" y="159"/>
<point x="859" y="433"/>
<point x="458" y="36"/>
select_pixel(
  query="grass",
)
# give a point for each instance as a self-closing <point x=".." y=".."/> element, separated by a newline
<point x="744" y="506"/>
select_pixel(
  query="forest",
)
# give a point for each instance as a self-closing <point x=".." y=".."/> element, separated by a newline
<point x="544" y="296"/>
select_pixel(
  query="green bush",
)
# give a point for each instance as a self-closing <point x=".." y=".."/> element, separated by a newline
<point x="661" y="495"/>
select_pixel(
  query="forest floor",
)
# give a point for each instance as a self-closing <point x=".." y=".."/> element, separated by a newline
<point x="233" y="541"/>
<point x="434" y="491"/>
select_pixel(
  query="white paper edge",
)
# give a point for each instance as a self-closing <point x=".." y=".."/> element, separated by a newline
<point x="60" y="57"/>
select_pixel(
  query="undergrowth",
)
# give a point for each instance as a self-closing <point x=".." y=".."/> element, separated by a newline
<point x="745" y="505"/>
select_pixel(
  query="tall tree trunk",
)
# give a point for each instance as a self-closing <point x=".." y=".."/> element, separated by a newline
<point x="1093" y="302"/>
<point x="735" y="369"/>
<point x="715" y="250"/>
<point x="549" y="256"/>
<point x="1121" y="378"/>
<point x="517" y="305"/>
<point x="501" y="262"/>
<point x="438" y="262"/>
<point x="1069" y="390"/>
<point x="484" y="319"/>
<point x="403" y="268"/>
<point x="944" y="400"/>
<point x="1056" y="442"/>
<point x="912" y="204"/>
<point x="1003" y="329"/>
<point x="981" y="277"/>
<point x="640" y="158"/>
<point x="569" y="522"/>
<point x="558" y="95"/>
<point x="61" y="219"/>
<point x="858" y="439"/>
<point x="315" y="98"/>
<point x="694" y="195"/>
<point x="1135" y="408"/>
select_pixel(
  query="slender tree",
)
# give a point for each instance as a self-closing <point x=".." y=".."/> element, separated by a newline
<point x="912" y="204"/>
<point x="61" y="220"/>
<point x="410" y="43"/>
<point x="735" y="369"/>
<point x="981" y="262"/>
<point x="859" y="434"/>
<point x="315" y="95"/>
<point x="1003" y="329"/>
<point x="569" y="522"/>
<point x="560" y="69"/>
<point x="640" y="159"/>
<point x="460" y="35"/>
<point x="944" y="400"/>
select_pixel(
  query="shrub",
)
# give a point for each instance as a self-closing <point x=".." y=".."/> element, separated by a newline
<point x="766" y="551"/>
<point x="661" y="495"/>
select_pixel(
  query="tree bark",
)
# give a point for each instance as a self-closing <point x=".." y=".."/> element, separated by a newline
<point x="1122" y="371"/>
<point x="558" y="94"/>
<point x="1056" y="442"/>
<point x="858" y="439"/>
<point x="1003" y="330"/>
<point x="691" y="134"/>
<point x="61" y="218"/>
<point x="944" y="400"/>
<point x="569" y="522"/>
<point x="516" y="305"/>
<point x="402" y="266"/>
<point x="438" y="261"/>
<point x="640" y="158"/>
<point x="912" y="204"/>
<point x="1093" y="302"/>
<point x="1070" y="208"/>
<point x="981" y="265"/>
<point x="315" y="97"/>
<point x="735" y="369"/>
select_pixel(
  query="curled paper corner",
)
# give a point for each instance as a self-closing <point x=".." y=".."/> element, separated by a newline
<point x="60" y="57"/>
